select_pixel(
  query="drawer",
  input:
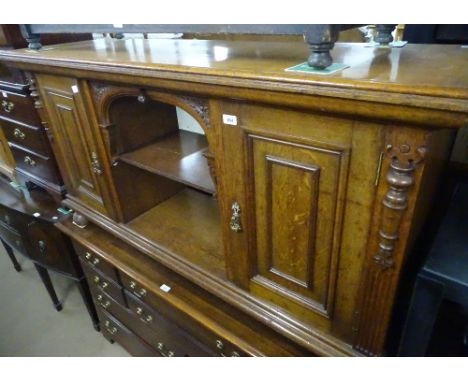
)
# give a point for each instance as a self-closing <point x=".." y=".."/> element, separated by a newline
<point x="211" y="340"/>
<point x="19" y="107"/>
<point x="32" y="138"/>
<point x="159" y="331"/>
<point x="12" y="238"/>
<point x="168" y="340"/>
<point x="97" y="262"/>
<point x="48" y="247"/>
<point x="7" y="218"/>
<point x="35" y="164"/>
<point x="116" y="331"/>
<point x="99" y="281"/>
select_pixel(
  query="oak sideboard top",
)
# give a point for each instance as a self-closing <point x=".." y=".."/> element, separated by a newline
<point x="416" y="69"/>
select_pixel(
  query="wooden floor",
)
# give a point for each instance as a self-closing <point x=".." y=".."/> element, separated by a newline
<point x="30" y="326"/>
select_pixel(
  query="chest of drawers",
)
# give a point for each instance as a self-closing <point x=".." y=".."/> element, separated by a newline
<point x="27" y="137"/>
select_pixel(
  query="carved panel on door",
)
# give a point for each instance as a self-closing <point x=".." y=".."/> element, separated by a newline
<point x="73" y="141"/>
<point x="75" y="145"/>
<point x="299" y="193"/>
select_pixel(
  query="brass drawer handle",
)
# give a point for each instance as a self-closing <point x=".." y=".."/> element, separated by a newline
<point x="164" y="351"/>
<point x="104" y="303"/>
<point x="235" y="223"/>
<point x="29" y="161"/>
<point x="19" y="134"/>
<point x="111" y="329"/>
<point x="146" y="318"/>
<point x="8" y="106"/>
<point x="139" y="293"/>
<point x="97" y="281"/>
<point x="91" y="260"/>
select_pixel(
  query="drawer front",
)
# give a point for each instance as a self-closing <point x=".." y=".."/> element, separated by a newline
<point x="50" y="248"/>
<point x="12" y="238"/>
<point x="116" y="331"/>
<point x="168" y="340"/>
<point x="7" y="218"/>
<point x="101" y="282"/>
<point x="216" y="344"/>
<point x="160" y="332"/>
<point x="32" y="138"/>
<point x="39" y="166"/>
<point x="18" y="107"/>
<point x="96" y="262"/>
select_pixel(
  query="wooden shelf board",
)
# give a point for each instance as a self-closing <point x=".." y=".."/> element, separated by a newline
<point x="188" y="225"/>
<point x="177" y="156"/>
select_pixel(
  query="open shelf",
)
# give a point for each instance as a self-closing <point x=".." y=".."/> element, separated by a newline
<point x="177" y="156"/>
<point x="188" y="225"/>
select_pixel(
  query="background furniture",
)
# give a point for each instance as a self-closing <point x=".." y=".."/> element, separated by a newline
<point x="444" y="275"/>
<point x="320" y="37"/>
<point x="27" y="225"/>
<point x="290" y="204"/>
<point x="30" y="212"/>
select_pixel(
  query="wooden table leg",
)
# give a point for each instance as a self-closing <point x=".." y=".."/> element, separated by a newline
<point x="11" y="254"/>
<point x="88" y="301"/>
<point x="425" y="303"/>
<point x="48" y="284"/>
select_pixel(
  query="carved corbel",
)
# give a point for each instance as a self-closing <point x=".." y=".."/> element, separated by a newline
<point x="200" y="107"/>
<point x="402" y="162"/>
<point x="400" y="179"/>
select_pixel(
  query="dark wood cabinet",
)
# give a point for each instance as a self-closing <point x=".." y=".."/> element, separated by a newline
<point x="233" y="201"/>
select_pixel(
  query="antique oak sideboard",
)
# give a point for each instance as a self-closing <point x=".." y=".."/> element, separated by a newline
<point x="281" y="225"/>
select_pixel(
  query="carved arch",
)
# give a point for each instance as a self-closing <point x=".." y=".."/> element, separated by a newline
<point x="105" y="94"/>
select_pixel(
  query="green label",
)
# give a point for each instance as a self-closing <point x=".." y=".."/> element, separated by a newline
<point x="305" y="68"/>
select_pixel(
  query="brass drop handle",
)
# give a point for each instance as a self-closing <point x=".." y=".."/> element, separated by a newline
<point x="139" y="293"/>
<point x="164" y="351"/>
<point x="89" y="257"/>
<point x="29" y="161"/>
<point x="95" y="165"/>
<point x="19" y="134"/>
<point x="111" y="329"/>
<point x="97" y="281"/>
<point x="105" y="304"/>
<point x="42" y="247"/>
<point x="146" y="318"/>
<point x="235" y="223"/>
<point x="8" y="106"/>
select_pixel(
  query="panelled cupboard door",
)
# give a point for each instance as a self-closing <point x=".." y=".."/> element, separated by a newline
<point x="298" y="192"/>
<point x="74" y="142"/>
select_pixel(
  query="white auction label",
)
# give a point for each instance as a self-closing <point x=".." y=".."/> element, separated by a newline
<point x="165" y="288"/>
<point x="74" y="89"/>
<point x="230" y="119"/>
